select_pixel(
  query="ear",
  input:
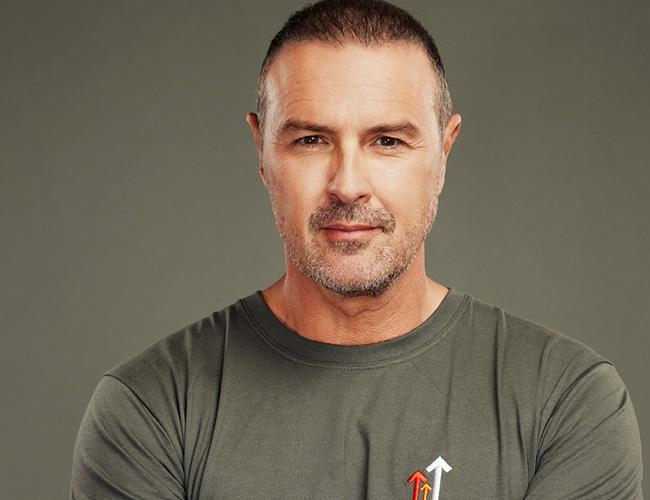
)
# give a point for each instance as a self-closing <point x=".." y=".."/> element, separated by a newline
<point x="451" y="132"/>
<point x="254" y="124"/>
<point x="449" y="137"/>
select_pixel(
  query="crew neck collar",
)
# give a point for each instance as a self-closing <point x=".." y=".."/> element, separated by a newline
<point x="306" y="351"/>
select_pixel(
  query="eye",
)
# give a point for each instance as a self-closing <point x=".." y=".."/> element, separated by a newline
<point x="309" y="141"/>
<point x="389" y="142"/>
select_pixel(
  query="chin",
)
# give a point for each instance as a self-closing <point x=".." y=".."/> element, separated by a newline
<point x="355" y="282"/>
<point x="357" y="289"/>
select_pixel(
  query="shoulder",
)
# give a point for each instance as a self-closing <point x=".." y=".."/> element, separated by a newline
<point x="526" y="347"/>
<point x="532" y="367"/>
<point x="179" y="363"/>
<point x="148" y="412"/>
<point x="565" y="400"/>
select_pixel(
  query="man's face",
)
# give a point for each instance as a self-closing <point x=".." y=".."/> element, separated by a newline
<point x="353" y="161"/>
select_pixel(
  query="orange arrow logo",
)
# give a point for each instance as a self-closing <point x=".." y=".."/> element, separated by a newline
<point x="417" y="478"/>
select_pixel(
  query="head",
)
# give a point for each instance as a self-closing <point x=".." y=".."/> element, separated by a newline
<point x="353" y="128"/>
<point x="367" y="22"/>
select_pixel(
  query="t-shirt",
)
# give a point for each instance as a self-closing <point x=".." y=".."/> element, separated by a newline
<point x="474" y="403"/>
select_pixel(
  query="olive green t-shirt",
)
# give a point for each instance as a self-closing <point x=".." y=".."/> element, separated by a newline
<point x="474" y="403"/>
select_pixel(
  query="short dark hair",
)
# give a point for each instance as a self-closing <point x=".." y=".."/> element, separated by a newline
<point x="369" y="22"/>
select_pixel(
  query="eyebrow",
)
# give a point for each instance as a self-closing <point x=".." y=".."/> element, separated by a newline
<point x="299" y="125"/>
<point x="406" y="127"/>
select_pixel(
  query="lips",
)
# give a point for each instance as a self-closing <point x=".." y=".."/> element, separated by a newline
<point x="344" y="227"/>
<point x="345" y="232"/>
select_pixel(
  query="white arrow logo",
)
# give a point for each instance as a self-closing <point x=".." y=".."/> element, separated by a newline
<point x="438" y="466"/>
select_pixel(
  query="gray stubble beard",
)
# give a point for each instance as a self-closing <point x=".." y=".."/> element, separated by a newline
<point x="312" y="263"/>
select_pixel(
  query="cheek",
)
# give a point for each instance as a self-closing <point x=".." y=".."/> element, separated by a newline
<point x="408" y="193"/>
<point x="297" y="191"/>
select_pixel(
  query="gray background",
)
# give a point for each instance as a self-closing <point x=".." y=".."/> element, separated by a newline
<point x="131" y="206"/>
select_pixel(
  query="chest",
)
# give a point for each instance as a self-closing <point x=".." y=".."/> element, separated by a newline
<point x="373" y="434"/>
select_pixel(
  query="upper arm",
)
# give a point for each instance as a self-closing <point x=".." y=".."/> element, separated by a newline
<point x="123" y="451"/>
<point x="590" y="446"/>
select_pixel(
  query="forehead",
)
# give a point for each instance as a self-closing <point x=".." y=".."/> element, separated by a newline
<point x="351" y="83"/>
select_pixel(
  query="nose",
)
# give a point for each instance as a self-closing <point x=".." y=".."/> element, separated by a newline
<point x="349" y="182"/>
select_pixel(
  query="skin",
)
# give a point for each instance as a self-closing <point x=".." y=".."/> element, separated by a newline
<point x="335" y="96"/>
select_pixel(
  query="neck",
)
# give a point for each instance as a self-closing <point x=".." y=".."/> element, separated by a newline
<point x="321" y="315"/>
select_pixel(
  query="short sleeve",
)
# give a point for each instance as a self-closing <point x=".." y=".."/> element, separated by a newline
<point x="122" y="450"/>
<point x="590" y="446"/>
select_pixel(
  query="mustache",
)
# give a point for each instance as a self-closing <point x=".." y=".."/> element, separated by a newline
<point x="351" y="213"/>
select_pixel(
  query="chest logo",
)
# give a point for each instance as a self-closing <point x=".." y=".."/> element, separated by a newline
<point x="421" y="484"/>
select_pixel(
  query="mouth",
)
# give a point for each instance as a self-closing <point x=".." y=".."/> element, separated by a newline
<point x="345" y="232"/>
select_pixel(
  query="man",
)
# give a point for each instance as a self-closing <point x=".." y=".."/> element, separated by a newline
<point x="355" y="375"/>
